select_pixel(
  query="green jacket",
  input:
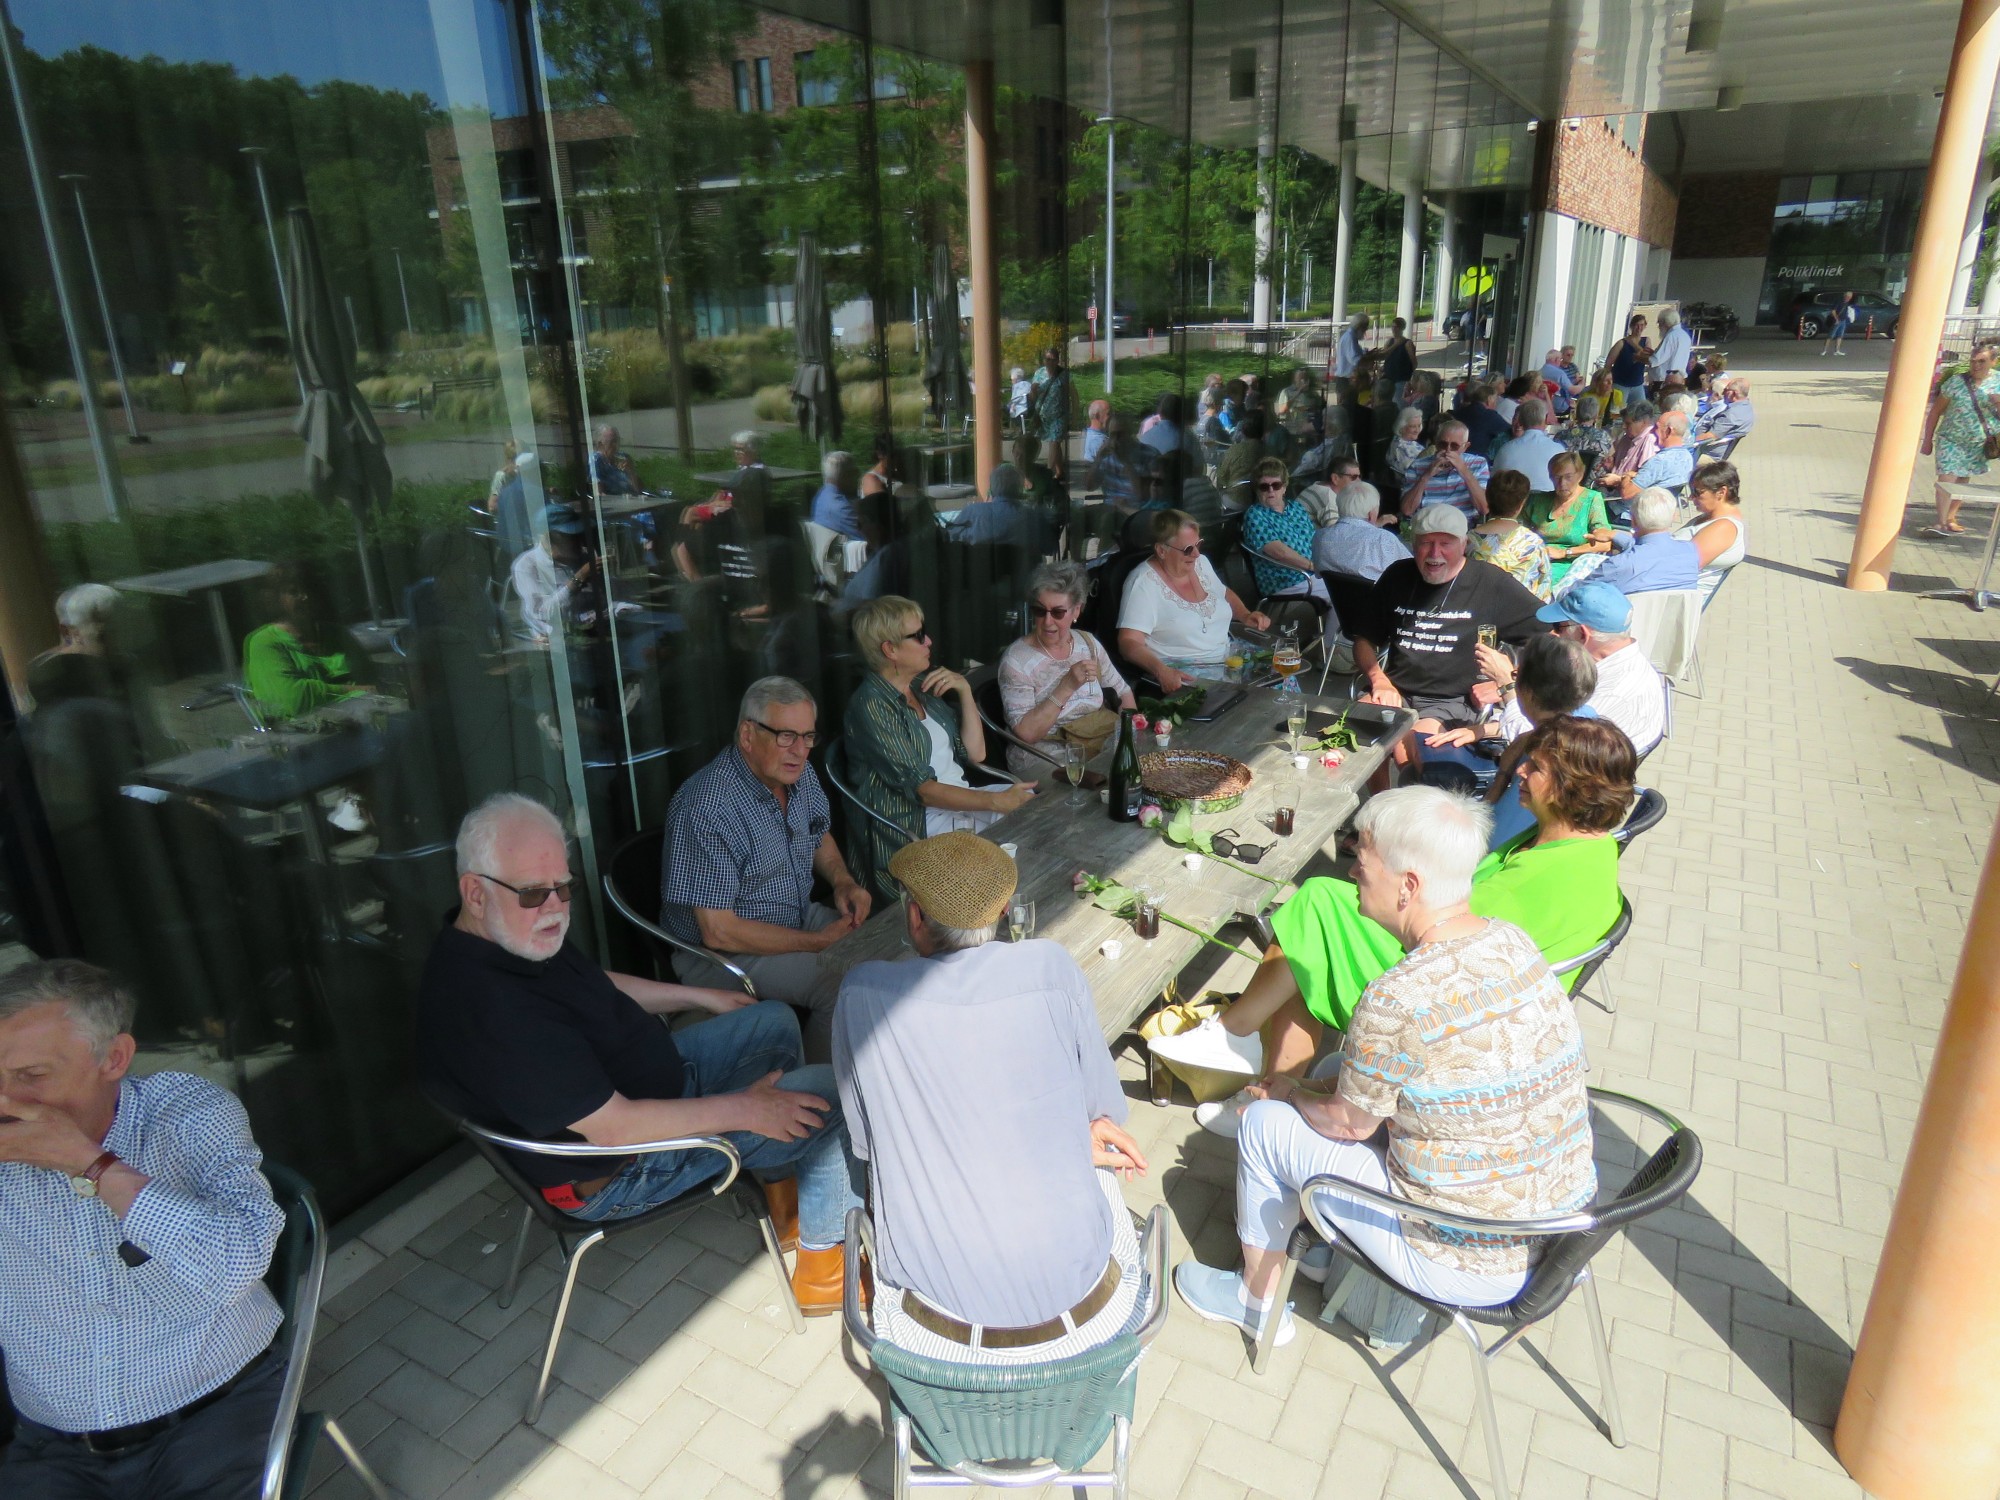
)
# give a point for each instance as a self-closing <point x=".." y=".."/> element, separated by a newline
<point x="888" y="758"/>
<point x="286" y="679"/>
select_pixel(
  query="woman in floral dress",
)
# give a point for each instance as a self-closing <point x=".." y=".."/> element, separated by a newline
<point x="1966" y="409"/>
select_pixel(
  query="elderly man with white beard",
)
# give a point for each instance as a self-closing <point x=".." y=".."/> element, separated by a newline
<point x="520" y="1031"/>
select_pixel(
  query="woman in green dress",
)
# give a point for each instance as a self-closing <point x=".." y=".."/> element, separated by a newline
<point x="1571" y="518"/>
<point x="1558" y="882"/>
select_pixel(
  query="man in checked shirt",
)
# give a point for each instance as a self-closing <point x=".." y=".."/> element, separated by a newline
<point x="135" y="1230"/>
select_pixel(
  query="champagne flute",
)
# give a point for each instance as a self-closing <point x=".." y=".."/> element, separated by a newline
<point x="1073" y="768"/>
<point x="1295" y="721"/>
<point x="1021" y="920"/>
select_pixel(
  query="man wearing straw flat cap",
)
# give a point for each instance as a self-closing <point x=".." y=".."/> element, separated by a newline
<point x="979" y="1092"/>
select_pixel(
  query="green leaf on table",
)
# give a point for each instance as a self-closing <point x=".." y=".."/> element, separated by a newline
<point x="1117" y="899"/>
<point x="1203" y="842"/>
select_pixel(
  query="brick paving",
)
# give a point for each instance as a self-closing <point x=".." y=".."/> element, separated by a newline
<point x="1798" y="918"/>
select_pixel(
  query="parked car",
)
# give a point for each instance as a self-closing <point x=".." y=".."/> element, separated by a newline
<point x="1810" y="314"/>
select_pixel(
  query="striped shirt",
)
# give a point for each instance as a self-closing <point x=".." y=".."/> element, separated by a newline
<point x="1471" y="1051"/>
<point x="1447" y="486"/>
<point x="93" y="1343"/>
<point x="731" y="847"/>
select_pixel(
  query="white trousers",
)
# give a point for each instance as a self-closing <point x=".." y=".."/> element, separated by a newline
<point x="1277" y="1151"/>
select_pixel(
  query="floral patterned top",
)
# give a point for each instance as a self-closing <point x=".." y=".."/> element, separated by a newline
<point x="1518" y="551"/>
<point x="1029" y="674"/>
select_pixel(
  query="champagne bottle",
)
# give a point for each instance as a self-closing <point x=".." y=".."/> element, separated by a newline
<point x="1125" y="789"/>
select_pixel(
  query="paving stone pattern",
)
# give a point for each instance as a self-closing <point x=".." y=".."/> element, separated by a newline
<point x="1799" y="915"/>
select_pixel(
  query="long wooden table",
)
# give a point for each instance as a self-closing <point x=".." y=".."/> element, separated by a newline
<point x="1055" y="837"/>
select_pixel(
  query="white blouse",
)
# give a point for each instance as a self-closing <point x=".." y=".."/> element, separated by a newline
<point x="1177" y="630"/>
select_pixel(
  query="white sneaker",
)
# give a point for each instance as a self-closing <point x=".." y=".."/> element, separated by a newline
<point x="1209" y="1045"/>
<point x="1219" y="1297"/>
<point x="1223" y="1117"/>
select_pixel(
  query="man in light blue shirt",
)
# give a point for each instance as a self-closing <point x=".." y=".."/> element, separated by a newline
<point x="1004" y="516"/>
<point x="1559" y="382"/>
<point x="833" y="506"/>
<point x="996" y="1239"/>
<point x="1356" y="545"/>
<point x="1668" y="469"/>
<point x="1652" y="557"/>
<point x="1348" y="351"/>
<point x="1093" y="435"/>
<point x="1530" y="449"/>
<point x="135" y="1231"/>
<point x="1675" y="346"/>
<point x="1731" y="418"/>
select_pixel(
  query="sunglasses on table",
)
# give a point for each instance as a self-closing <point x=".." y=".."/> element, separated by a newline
<point x="787" y="738"/>
<point x="1227" y="846"/>
<point x="534" y="897"/>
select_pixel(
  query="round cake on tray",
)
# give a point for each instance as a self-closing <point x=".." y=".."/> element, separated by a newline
<point x="1199" y="779"/>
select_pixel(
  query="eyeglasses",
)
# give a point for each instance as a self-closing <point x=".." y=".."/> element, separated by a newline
<point x="1271" y="486"/>
<point x="1188" y="551"/>
<point x="1049" y="611"/>
<point x="1228" y="848"/>
<point x="1444" y="447"/>
<point x="787" y="738"/>
<point x="534" y="897"/>
<point x="919" y="634"/>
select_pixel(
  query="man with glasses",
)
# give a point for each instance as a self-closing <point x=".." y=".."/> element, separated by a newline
<point x="1455" y="477"/>
<point x="745" y="836"/>
<point x="518" y="1030"/>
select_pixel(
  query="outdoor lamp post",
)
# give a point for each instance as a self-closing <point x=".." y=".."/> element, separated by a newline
<point x="256" y="155"/>
<point x="132" y="433"/>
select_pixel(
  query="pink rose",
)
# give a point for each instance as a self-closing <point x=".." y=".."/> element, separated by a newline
<point x="1080" y="880"/>
<point x="1139" y="723"/>
<point x="1332" y="758"/>
<point x="1151" y="815"/>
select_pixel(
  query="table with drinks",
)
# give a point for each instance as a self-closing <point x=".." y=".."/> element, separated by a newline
<point x="1295" y="804"/>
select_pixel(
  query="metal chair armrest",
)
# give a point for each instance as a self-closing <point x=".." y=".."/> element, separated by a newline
<point x="860" y="1241"/>
<point x="1155" y="1246"/>
<point x="1555" y="1224"/>
<point x="654" y="930"/>
<point x="584" y="1150"/>
<point x="1638" y="1106"/>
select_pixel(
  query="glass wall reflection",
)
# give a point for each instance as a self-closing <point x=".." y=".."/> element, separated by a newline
<point x="413" y="402"/>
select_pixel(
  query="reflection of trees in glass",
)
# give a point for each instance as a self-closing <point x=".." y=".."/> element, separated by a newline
<point x="179" y="236"/>
<point x="645" y="58"/>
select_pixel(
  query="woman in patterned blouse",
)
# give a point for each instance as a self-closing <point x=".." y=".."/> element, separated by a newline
<point x="1055" y="674"/>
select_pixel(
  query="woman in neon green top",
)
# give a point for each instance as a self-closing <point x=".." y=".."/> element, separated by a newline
<point x="1558" y="882"/>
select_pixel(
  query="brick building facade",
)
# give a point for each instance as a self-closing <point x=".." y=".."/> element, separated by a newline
<point x="1600" y="177"/>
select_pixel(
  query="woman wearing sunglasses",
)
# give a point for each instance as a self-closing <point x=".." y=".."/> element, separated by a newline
<point x="1558" y="882"/>
<point x="1174" y="619"/>
<point x="913" y="732"/>
<point x="1057" y="684"/>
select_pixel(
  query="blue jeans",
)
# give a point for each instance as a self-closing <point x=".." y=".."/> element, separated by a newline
<point x="724" y="1055"/>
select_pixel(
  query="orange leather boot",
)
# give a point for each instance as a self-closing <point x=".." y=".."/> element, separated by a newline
<point x="817" y="1277"/>
<point x="782" y="1197"/>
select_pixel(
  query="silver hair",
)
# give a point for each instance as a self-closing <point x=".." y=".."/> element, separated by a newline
<point x="1588" y="409"/>
<point x="1655" y="509"/>
<point x="1452" y="424"/>
<point x="1359" y="500"/>
<point x="837" y="466"/>
<point x="1684" y="402"/>
<point x="1738" y="383"/>
<point x="767" y="693"/>
<point x="1005" y="480"/>
<point x="957" y="939"/>
<point x="479" y="834"/>
<point x="1668" y="318"/>
<point x="99" y="1006"/>
<point x="1070" y="579"/>
<point x="1533" y="412"/>
<point x="86" y="605"/>
<point x="1437" y="835"/>
<point x="1408" y="412"/>
<point x="1674" y="419"/>
<point x="748" y="438"/>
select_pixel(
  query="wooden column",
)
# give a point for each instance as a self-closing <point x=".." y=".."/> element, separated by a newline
<point x="1961" y="137"/>
<point x="988" y="395"/>
<point x="1917" y="1422"/>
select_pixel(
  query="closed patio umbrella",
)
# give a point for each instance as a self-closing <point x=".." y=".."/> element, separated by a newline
<point x="944" y="365"/>
<point x="345" y="458"/>
<point x="815" y="388"/>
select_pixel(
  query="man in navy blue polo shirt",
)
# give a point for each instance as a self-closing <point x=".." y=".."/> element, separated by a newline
<point x="745" y="836"/>
<point x="522" y="1032"/>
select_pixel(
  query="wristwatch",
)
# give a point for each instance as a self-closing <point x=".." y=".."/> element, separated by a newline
<point x="85" y="1182"/>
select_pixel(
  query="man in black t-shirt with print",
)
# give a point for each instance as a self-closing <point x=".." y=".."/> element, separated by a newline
<point x="1416" y="646"/>
<point x="520" y="1031"/>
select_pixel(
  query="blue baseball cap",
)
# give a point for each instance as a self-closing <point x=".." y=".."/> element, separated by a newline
<point x="1598" y="605"/>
